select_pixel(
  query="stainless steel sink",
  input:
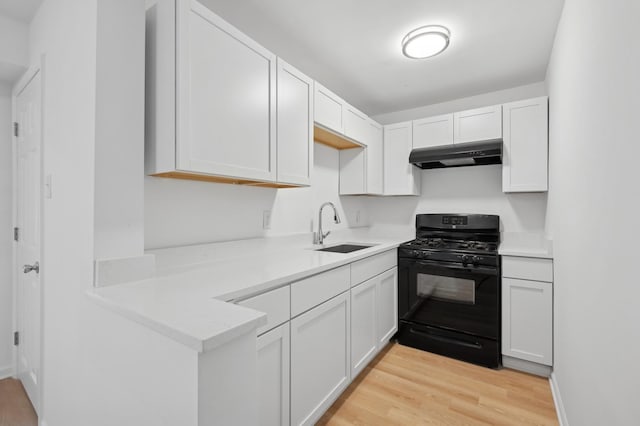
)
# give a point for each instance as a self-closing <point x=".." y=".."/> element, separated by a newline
<point x="345" y="248"/>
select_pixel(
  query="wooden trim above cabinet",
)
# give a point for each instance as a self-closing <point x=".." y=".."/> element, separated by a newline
<point x="331" y="139"/>
<point x="222" y="179"/>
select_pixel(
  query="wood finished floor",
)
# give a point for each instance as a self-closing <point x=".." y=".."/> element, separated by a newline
<point x="406" y="386"/>
<point x="15" y="407"/>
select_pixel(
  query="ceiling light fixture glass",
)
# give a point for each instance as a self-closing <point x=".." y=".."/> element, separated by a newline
<point x="425" y="42"/>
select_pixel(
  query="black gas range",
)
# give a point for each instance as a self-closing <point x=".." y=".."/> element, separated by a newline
<point x="449" y="287"/>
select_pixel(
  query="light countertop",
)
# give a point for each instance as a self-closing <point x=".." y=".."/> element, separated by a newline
<point x="188" y="298"/>
<point x="524" y="244"/>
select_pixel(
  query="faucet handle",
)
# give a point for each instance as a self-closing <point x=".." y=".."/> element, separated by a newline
<point x="325" y="234"/>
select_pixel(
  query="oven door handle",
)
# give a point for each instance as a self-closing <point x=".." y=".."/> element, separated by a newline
<point x="432" y="263"/>
<point x="474" y="345"/>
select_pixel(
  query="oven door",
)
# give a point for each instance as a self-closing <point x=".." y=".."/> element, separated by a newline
<point x="450" y="297"/>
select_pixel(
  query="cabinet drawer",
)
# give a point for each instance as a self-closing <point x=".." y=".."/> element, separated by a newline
<point x="364" y="269"/>
<point x="314" y="290"/>
<point x="275" y="303"/>
<point x="528" y="268"/>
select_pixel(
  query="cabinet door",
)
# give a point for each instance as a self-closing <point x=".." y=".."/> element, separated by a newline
<point x="353" y="171"/>
<point x="319" y="359"/>
<point x="375" y="160"/>
<point x="433" y="131"/>
<point x="525" y="152"/>
<point x="328" y="109"/>
<point x="527" y="320"/>
<point x="356" y="125"/>
<point x="364" y="327"/>
<point x="477" y="124"/>
<point x="387" y="299"/>
<point x="273" y="376"/>
<point x="295" y="125"/>
<point x="226" y="88"/>
<point x="400" y="176"/>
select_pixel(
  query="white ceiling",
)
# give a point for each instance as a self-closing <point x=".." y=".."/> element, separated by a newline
<point x="353" y="46"/>
<point x="22" y="10"/>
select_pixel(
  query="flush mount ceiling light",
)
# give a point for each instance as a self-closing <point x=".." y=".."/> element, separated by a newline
<point x="425" y="42"/>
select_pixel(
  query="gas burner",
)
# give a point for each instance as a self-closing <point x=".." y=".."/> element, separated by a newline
<point x="477" y="245"/>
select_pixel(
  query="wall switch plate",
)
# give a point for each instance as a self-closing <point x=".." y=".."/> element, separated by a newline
<point x="266" y="219"/>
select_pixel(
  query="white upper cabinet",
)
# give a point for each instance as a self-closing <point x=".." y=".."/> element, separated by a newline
<point x="361" y="169"/>
<point x="295" y="125"/>
<point x="328" y="109"/>
<point x="433" y="131"/>
<point x="219" y="106"/>
<point x="353" y="171"/>
<point x="356" y="125"/>
<point x="226" y="114"/>
<point x="477" y="124"/>
<point x="400" y="177"/>
<point x="375" y="161"/>
<point x="525" y="151"/>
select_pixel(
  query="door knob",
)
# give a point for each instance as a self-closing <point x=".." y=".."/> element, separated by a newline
<point x="34" y="267"/>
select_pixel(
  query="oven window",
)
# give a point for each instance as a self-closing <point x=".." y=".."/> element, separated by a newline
<point x="446" y="288"/>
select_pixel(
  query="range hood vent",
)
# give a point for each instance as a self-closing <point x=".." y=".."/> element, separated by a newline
<point x="458" y="155"/>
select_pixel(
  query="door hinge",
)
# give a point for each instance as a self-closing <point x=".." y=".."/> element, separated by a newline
<point x="16" y="338"/>
<point x="16" y="128"/>
<point x="16" y="234"/>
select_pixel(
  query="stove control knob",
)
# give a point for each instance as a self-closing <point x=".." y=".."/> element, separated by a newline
<point x="465" y="259"/>
<point x="476" y="260"/>
<point x="424" y="254"/>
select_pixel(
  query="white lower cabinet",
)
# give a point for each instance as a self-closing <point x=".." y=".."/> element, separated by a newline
<point x="319" y="358"/>
<point x="387" y="300"/>
<point x="374" y="317"/>
<point x="273" y="376"/>
<point x="527" y="313"/>
<point x="364" y="319"/>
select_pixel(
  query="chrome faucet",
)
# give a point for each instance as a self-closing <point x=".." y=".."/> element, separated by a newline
<point x="318" y="237"/>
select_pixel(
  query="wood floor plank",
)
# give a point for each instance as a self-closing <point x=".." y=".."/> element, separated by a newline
<point x="15" y="407"/>
<point x="406" y="386"/>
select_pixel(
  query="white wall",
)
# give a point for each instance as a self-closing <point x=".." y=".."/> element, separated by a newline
<point x="594" y="95"/>
<point x="464" y="189"/>
<point x="6" y="237"/>
<point x="179" y="212"/>
<point x="119" y="155"/>
<point x="485" y="99"/>
<point x="14" y="53"/>
<point x="65" y="31"/>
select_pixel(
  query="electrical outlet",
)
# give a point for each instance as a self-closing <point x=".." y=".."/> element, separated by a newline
<point x="266" y="219"/>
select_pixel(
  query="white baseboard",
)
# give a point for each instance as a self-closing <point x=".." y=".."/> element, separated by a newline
<point x="557" y="399"/>
<point x="6" y="371"/>
<point x="526" y="366"/>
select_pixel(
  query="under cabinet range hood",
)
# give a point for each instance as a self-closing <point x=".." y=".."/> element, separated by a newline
<point x="458" y="155"/>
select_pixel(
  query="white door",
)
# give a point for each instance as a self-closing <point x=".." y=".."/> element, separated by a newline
<point x="375" y="161"/>
<point x="527" y="320"/>
<point x="477" y="124"/>
<point x="273" y="376"/>
<point x="28" y="164"/>
<point x="364" y="330"/>
<point x="226" y="87"/>
<point x="387" y="299"/>
<point x="433" y="131"/>
<point x="295" y="125"/>
<point x="400" y="176"/>
<point x="319" y="359"/>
